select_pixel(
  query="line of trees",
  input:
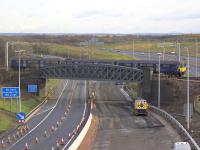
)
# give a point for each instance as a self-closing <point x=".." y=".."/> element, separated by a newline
<point x="2" y="52"/>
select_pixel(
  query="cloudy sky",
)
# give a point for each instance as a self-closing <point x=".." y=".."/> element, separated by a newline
<point x="100" y="16"/>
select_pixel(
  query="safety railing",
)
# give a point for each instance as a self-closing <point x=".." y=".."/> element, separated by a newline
<point x="176" y="123"/>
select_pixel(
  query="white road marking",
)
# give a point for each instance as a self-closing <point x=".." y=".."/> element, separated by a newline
<point x="42" y="119"/>
<point x="43" y="112"/>
<point x="82" y="118"/>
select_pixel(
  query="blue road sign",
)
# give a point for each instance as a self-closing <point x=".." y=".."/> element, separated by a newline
<point x="21" y="116"/>
<point x="10" y="92"/>
<point x="32" y="88"/>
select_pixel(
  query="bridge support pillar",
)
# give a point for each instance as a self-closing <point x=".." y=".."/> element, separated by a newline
<point x="144" y="89"/>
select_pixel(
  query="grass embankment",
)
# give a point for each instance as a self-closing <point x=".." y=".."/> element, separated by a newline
<point x="51" y="83"/>
<point x="6" y="122"/>
<point x="72" y="51"/>
<point x="145" y="46"/>
<point x="28" y="103"/>
<point x="132" y="89"/>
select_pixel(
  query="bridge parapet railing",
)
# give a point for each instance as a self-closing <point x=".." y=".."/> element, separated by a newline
<point x="175" y="122"/>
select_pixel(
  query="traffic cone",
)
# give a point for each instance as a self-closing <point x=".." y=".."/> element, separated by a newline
<point x="18" y="134"/>
<point x="65" y="114"/>
<point x="57" y="145"/>
<point x="27" y="128"/>
<point x="52" y="129"/>
<point x="9" y="140"/>
<point x="14" y="137"/>
<point x="26" y="147"/>
<point x="69" y="135"/>
<point x="74" y="131"/>
<point x="45" y="133"/>
<point x="77" y="128"/>
<point x="36" y="140"/>
<point x="21" y="131"/>
<point x="62" y="141"/>
<point x="2" y="144"/>
<point x="24" y="129"/>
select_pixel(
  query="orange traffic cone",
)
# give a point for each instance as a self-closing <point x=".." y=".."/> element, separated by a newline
<point x="65" y="114"/>
<point x="69" y="135"/>
<point x="14" y="137"/>
<point x="52" y="129"/>
<point x="36" y="140"/>
<point x="57" y="123"/>
<point x="45" y="133"/>
<point x="18" y="134"/>
<point x="57" y="145"/>
<point x="78" y="128"/>
<point x="2" y="144"/>
<point x="26" y="147"/>
<point x="27" y="128"/>
<point x="9" y="140"/>
<point x="62" y="142"/>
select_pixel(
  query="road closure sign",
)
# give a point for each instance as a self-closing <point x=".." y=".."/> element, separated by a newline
<point x="10" y="92"/>
<point x="32" y="88"/>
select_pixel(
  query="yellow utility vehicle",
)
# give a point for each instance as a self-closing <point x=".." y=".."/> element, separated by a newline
<point x="140" y="107"/>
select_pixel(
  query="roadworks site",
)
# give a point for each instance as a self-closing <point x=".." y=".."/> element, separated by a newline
<point x="9" y="107"/>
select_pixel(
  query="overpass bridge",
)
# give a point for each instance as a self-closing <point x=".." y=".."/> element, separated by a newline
<point x="112" y="70"/>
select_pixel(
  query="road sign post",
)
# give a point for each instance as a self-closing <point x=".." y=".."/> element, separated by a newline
<point x="32" y="88"/>
<point x="10" y="93"/>
<point x="20" y="117"/>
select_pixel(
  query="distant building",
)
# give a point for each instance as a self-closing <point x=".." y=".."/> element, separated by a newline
<point x="93" y="41"/>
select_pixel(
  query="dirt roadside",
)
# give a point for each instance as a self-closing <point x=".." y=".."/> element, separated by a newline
<point x="173" y="98"/>
<point x="90" y="136"/>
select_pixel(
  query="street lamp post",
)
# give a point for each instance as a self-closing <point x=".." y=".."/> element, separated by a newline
<point x="179" y="51"/>
<point x="133" y="48"/>
<point x="149" y="55"/>
<point x="6" y="56"/>
<point x="19" y="53"/>
<point x="163" y="53"/>
<point x="159" y="55"/>
<point x="173" y="53"/>
<point x="196" y="58"/>
<point x="188" y="90"/>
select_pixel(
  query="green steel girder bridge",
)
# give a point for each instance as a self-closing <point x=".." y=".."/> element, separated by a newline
<point x="105" y="70"/>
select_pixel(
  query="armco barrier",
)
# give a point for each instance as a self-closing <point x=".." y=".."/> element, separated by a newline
<point x="82" y="134"/>
<point x="176" y="123"/>
<point x="169" y="117"/>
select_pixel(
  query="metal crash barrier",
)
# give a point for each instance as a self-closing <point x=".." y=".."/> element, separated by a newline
<point x="176" y="123"/>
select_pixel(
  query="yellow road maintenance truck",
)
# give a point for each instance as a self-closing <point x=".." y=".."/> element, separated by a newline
<point x="140" y="107"/>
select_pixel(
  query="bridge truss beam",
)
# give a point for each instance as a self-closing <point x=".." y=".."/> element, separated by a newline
<point x="99" y="72"/>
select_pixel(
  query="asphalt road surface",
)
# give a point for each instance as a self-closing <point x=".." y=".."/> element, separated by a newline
<point x="119" y="129"/>
<point x="73" y="95"/>
<point x="154" y="56"/>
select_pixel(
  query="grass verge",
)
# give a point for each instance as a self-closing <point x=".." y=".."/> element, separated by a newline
<point x="72" y="51"/>
<point x="6" y="122"/>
